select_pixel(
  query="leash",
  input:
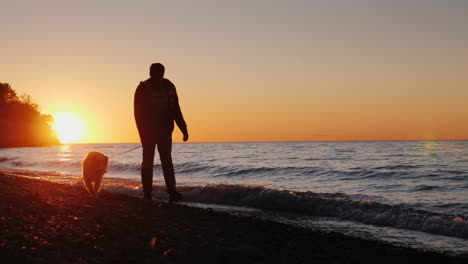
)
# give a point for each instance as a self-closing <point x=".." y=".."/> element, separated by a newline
<point x="113" y="156"/>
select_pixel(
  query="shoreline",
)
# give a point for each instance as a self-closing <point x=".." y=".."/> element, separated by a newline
<point x="45" y="222"/>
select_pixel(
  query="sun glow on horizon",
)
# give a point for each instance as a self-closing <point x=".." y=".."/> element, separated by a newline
<point x="69" y="127"/>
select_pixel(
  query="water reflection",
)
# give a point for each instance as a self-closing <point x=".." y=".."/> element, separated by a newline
<point x="65" y="153"/>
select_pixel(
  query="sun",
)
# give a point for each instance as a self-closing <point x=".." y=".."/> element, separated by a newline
<point x="69" y="127"/>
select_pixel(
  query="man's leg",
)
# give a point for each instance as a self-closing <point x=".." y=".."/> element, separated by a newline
<point x="147" y="169"/>
<point x="97" y="184"/>
<point x="165" y="149"/>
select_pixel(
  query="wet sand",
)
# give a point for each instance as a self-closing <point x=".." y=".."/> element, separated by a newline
<point x="44" y="222"/>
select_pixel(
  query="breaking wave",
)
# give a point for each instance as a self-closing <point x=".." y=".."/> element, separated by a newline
<point x="336" y="205"/>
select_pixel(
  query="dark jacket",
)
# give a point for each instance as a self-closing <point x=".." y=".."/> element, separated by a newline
<point x="155" y="117"/>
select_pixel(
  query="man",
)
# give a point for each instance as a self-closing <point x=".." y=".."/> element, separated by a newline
<point x="156" y="107"/>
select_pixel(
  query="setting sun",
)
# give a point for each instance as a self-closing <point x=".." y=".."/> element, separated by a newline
<point x="69" y="127"/>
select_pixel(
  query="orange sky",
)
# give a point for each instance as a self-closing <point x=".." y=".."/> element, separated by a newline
<point x="248" y="70"/>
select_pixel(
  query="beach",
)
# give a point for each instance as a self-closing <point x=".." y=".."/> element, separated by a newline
<point x="45" y="222"/>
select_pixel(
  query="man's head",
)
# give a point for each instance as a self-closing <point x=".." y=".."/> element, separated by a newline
<point x="157" y="70"/>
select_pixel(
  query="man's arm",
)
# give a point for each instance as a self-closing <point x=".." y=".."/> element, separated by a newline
<point x="178" y="117"/>
<point x="138" y="109"/>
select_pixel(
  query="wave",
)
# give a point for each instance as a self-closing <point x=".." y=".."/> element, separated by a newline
<point x="397" y="167"/>
<point x="325" y="204"/>
<point x="426" y="188"/>
<point x="3" y="159"/>
<point x="451" y="171"/>
<point x="220" y="171"/>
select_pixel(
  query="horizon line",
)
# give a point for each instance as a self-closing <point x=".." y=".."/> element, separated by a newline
<point x="277" y="141"/>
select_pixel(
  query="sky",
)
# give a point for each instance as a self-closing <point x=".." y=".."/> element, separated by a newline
<point x="247" y="70"/>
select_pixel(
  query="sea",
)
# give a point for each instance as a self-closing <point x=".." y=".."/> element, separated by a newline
<point x="408" y="193"/>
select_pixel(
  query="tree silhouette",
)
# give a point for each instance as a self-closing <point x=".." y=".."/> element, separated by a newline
<point x="21" y="123"/>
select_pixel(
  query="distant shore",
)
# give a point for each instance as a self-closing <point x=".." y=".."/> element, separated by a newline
<point x="44" y="222"/>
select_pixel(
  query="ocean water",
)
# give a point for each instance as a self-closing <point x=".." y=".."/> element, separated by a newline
<point x="411" y="193"/>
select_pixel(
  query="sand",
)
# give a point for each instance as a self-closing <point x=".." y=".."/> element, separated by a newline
<point x="44" y="222"/>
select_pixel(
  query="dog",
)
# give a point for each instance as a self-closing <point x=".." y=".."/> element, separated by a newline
<point x="94" y="167"/>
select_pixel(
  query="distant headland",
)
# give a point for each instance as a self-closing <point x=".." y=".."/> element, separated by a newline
<point x="21" y="122"/>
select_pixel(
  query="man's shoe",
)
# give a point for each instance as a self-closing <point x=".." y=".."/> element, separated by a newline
<point x="174" y="197"/>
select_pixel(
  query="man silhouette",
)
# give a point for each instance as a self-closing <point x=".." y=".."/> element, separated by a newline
<point x="156" y="107"/>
